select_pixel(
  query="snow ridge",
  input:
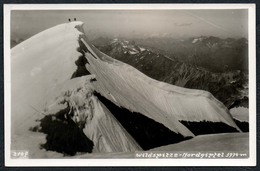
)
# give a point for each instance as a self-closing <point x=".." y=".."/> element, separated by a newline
<point x="40" y="67"/>
<point x="160" y="101"/>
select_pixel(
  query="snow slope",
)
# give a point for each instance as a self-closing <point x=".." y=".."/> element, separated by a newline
<point x="213" y="142"/>
<point x="160" y="101"/>
<point x="226" y="142"/>
<point x="41" y="68"/>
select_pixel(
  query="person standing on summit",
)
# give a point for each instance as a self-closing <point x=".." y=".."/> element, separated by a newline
<point x="69" y="19"/>
<point x="75" y="19"/>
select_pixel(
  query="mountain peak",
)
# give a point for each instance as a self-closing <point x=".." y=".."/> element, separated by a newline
<point x="55" y="54"/>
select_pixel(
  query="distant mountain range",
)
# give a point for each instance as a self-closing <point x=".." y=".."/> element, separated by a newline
<point x="213" y="53"/>
<point x="230" y="86"/>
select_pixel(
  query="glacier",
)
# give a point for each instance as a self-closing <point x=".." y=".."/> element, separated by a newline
<point x="42" y="66"/>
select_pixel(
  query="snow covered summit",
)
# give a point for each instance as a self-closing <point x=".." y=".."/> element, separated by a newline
<point x="43" y="66"/>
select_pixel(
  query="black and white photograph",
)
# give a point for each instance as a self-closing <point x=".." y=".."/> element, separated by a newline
<point x="146" y="84"/>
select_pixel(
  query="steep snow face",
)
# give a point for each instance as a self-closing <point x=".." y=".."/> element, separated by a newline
<point x="160" y="101"/>
<point x="42" y="67"/>
<point x="97" y="122"/>
<point x="39" y="67"/>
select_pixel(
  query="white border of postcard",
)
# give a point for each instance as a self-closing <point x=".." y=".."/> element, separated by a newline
<point x="251" y="161"/>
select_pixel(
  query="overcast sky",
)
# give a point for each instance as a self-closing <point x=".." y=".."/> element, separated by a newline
<point x="137" y="23"/>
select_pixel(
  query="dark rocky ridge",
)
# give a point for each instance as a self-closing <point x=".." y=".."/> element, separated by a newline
<point x="200" y="128"/>
<point x="81" y="62"/>
<point x="244" y="126"/>
<point x="63" y="135"/>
